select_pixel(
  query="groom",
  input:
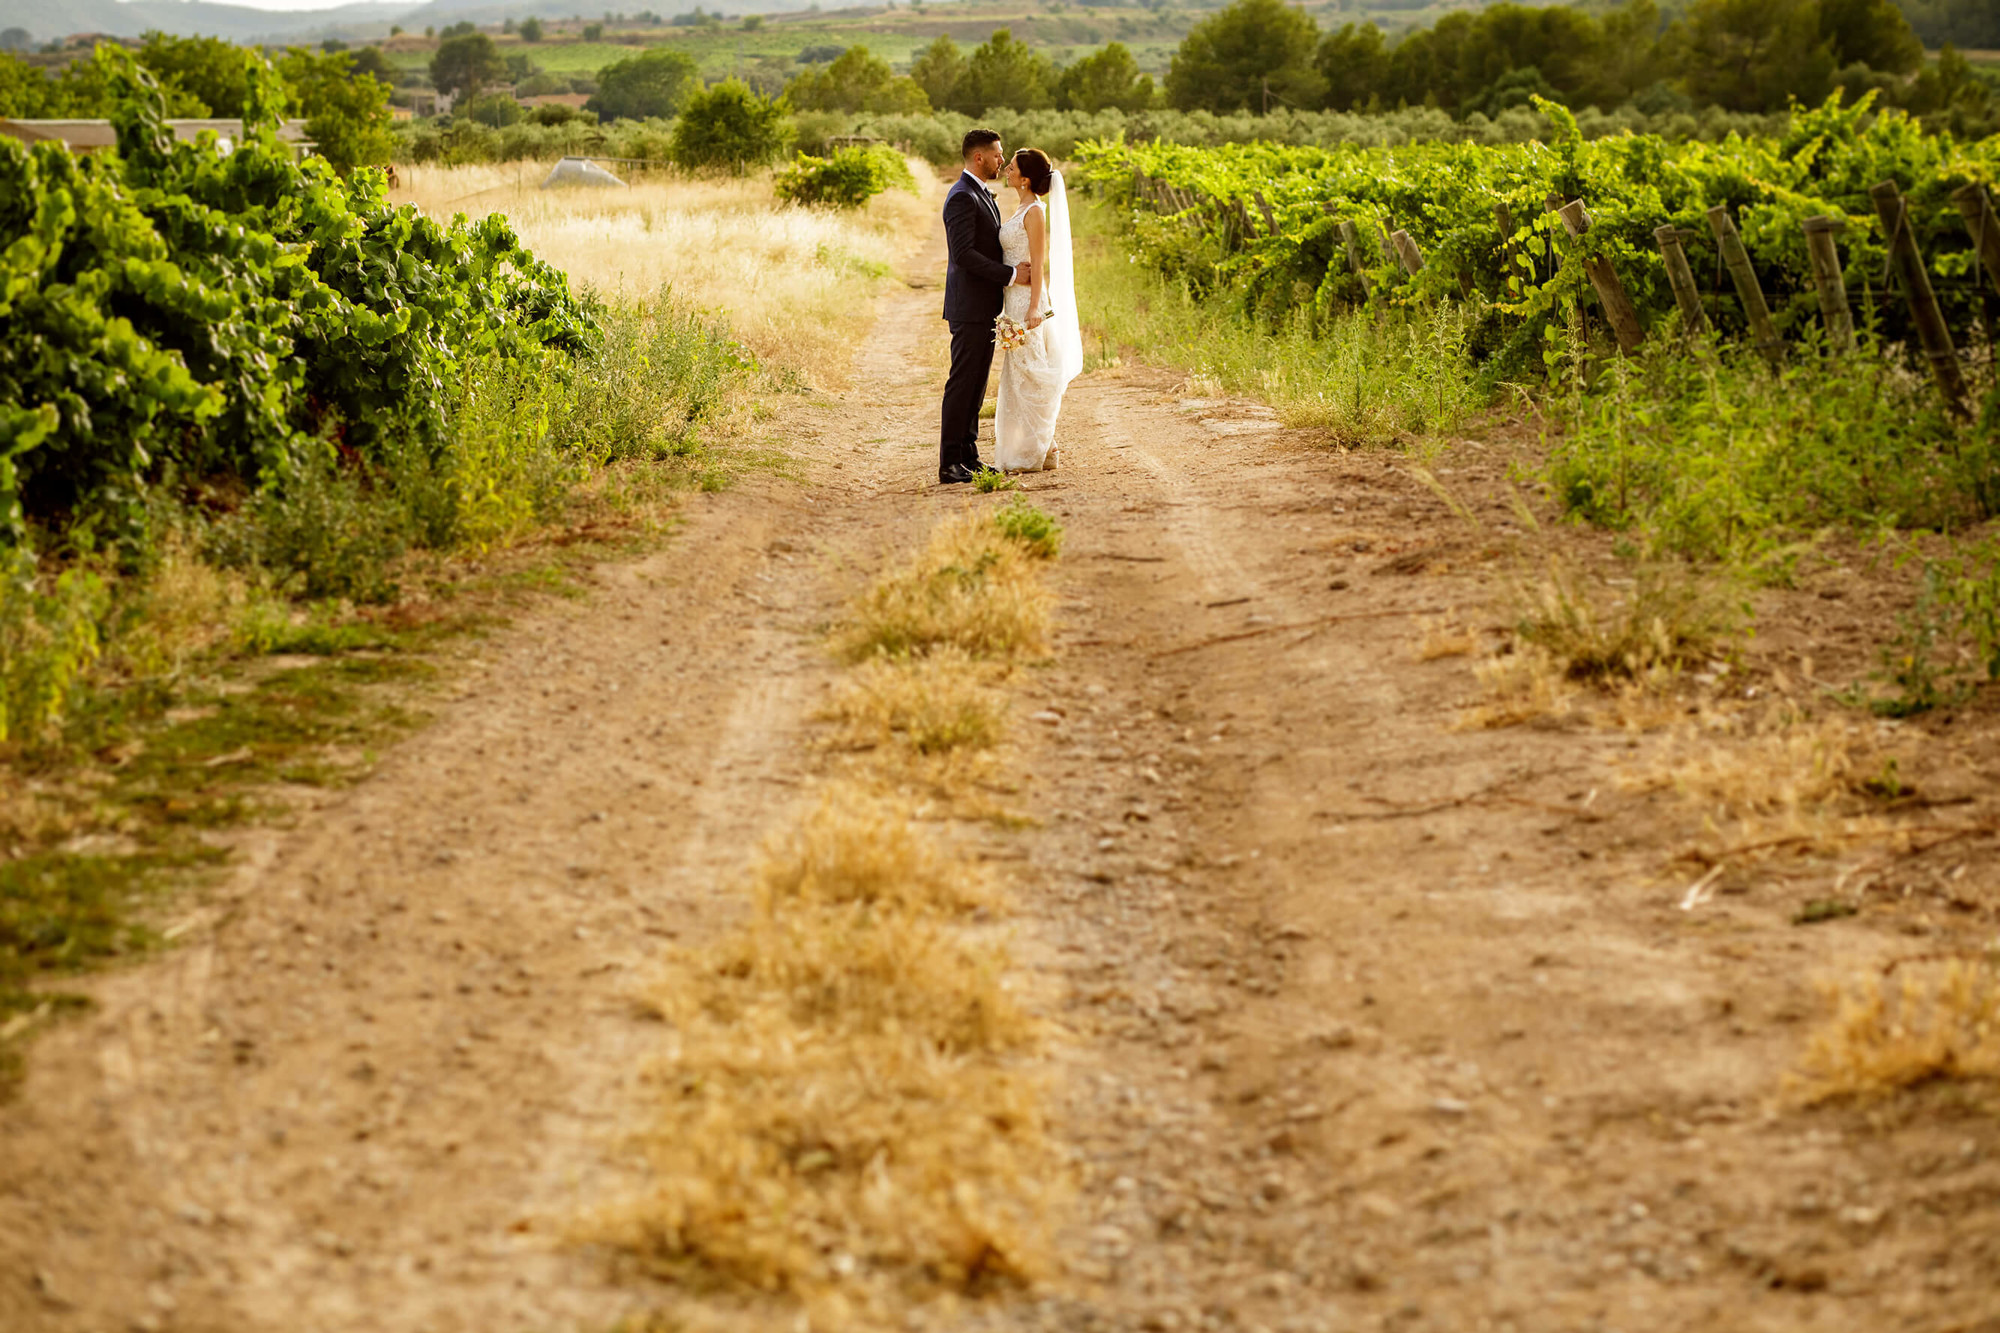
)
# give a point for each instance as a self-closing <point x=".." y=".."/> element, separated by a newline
<point x="974" y="281"/>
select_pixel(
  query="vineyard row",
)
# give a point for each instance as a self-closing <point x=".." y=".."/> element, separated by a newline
<point x="1797" y="228"/>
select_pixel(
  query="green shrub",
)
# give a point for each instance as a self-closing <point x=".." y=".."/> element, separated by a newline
<point x="730" y="127"/>
<point x="848" y="179"/>
<point x="321" y="531"/>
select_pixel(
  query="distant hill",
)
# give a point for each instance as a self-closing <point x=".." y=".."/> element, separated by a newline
<point x="46" y="20"/>
<point x="49" y="19"/>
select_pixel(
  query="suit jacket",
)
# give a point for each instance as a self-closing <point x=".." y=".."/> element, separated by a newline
<point x="976" y="277"/>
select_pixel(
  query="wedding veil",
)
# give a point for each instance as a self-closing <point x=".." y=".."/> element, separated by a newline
<point x="1065" y="336"/>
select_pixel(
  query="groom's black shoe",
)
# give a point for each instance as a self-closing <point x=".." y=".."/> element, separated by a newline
<point x="956" y="475"/>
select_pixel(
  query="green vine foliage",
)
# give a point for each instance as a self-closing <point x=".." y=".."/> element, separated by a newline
<point x="1529" y="280"/>
<point x="234" y="314"/>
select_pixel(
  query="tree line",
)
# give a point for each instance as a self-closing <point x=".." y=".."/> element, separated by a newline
<point x="1260" y="56"/>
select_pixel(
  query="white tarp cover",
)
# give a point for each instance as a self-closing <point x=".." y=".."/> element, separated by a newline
<point x="579" y="171"/>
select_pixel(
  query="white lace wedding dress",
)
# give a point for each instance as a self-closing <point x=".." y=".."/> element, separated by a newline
<point x="1034" y="375"/>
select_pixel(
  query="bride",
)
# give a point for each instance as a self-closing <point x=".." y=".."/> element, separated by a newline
<point x="1034" y="375"/>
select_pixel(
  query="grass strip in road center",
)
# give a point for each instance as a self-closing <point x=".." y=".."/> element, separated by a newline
<point x="850" y="1112"/>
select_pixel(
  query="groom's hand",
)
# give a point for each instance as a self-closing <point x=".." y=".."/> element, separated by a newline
<point x="1024" y="274"/>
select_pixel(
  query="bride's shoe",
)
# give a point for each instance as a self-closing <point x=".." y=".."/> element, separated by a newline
<point x="1049" y="459"/>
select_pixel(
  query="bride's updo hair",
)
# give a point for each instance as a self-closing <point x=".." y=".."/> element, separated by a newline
<point x="1035" y="168"/>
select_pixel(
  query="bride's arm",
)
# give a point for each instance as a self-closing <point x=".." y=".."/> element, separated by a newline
<point x="1038" y="259"/>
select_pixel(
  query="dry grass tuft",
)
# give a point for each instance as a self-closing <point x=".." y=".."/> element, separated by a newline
<point x="1940" y="1024"/>
<point x="789" y="1163"/>
<point x="1524" y="686"/>
<point x="791" y="279"/>
<point x="1645" y="627"/>
<point x="1627" y="636"/>
<point x="842" y="1110"/>
<point x="1446" y="637"/>
<point x="855" y="848"/>
<point x="971" y="588"/>
<point x="863" y="970"/>
<point x="934" y="704"/>
<point x="1782" y="770"/>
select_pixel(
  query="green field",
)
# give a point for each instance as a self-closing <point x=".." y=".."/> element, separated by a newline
<point x="896" y="35"/>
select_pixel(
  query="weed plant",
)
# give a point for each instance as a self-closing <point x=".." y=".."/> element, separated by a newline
<point x="50" y="636"/>
<point x="1948" y="643"/>
<point x="1030" y="528"/>
<point x="1715" y="457"/>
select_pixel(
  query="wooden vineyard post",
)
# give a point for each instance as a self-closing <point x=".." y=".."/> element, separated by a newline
<point x="1619" y="311"/>
<point x="1687" y="295"/>
<point x="1830" y="282"/>
<point x="1977" y="208"/>
<point x="1751" y="292"/>
<point x="1351" y="241"/>
<point x="1894" y="211"/>
<point x="1243" y="218"/>
<point x="1264" y="207"/>
<point x="1138" y="184"/>
<point x="1408" y="251"/>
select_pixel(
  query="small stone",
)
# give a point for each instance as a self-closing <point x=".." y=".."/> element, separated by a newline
<point x="1379" y="1205"/>
<point x="1450" y="1106"/>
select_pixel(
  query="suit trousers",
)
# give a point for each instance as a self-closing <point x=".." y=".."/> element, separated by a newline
<point x="964" y="393"/>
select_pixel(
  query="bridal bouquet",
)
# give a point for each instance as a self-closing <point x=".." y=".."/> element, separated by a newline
<point x="1009" y="333"/>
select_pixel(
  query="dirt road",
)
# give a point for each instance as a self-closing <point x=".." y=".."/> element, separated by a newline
<point x="1372" y="1023"/>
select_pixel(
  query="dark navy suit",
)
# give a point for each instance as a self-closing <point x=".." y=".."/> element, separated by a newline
<point x="975" y="279"/>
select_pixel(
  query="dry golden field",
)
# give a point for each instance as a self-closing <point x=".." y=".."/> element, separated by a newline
<point x="793" y="282"/>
